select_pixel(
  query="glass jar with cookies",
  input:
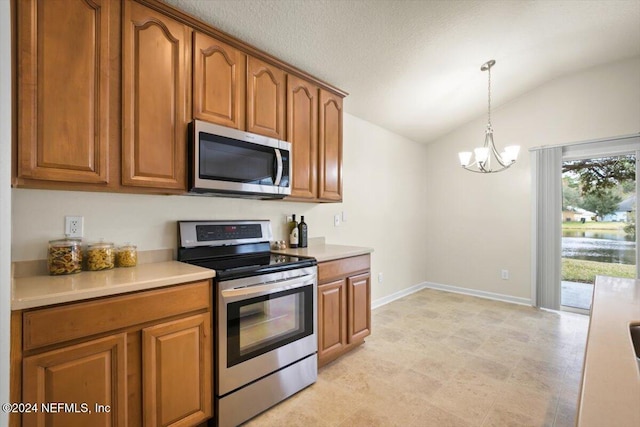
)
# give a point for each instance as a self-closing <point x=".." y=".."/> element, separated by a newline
<point x="64" y="256"/>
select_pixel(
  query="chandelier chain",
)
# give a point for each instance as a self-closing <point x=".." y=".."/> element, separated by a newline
<point x="489" y="98"/>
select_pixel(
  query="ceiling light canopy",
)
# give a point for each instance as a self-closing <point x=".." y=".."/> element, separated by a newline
<point x="487" y="153"/>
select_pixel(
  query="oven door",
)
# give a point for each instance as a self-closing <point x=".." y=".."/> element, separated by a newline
<point x="264" y="323"/>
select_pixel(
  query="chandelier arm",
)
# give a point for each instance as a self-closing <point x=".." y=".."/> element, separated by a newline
<point x="487" y="171"/>
<point x="495" y="152"/>
<point x="474" y="171"/>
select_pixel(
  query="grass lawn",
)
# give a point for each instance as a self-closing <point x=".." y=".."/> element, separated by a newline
<point x="577" y="270"/>
<point x="593" y="225"/>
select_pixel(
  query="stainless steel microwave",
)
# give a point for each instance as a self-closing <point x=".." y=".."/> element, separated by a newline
<point x="232" y="162"/>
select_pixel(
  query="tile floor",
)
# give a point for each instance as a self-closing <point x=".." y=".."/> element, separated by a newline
<point x="443" y="359"/>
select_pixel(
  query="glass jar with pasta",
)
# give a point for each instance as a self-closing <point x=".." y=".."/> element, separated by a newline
<point x="127" y="256"/>
<point x="100" y="256"/>
<point x="64" y="256"/>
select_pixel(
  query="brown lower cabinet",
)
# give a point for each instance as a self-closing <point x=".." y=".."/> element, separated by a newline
<point x="344" y="306"/>
<point x="139" y="359"/>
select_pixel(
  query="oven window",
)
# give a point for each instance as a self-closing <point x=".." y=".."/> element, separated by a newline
<point x="258" y="325"/>
<point x="227" y="159"/>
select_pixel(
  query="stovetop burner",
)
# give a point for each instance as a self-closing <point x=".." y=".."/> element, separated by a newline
<point x="234" y="249"/>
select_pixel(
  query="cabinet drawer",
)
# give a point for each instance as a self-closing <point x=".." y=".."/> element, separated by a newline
<point x="79" y="320"/>
<point x="342" y="267"/>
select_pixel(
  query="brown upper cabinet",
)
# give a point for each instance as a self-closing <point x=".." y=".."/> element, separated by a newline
<point x="266" y="90"/>
<point x="63" y="92"/>
<point x="219" y="82"/>
<point x="330" y="147"/>
<point x="104" y="97"/>
<point x="156" y="60"/>
<point x="302" y="132"/>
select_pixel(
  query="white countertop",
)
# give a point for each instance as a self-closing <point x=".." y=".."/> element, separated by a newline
<point x="38" y="291"/>
<point x="323" y="252"/>
<point x="610" y="394"/>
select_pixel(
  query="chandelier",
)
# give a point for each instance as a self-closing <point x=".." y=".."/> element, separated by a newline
<point x="485" y="154"/>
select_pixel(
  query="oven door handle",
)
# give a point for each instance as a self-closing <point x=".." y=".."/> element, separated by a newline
<point x="267" y="288"/>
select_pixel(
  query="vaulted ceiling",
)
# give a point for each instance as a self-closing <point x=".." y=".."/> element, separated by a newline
<point x="413" y="66"/>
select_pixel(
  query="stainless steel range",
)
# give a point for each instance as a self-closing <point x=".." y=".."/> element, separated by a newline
<point x="266" y="343"/>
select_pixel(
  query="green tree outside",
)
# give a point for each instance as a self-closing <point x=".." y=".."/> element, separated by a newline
<point x="603" y="203"/>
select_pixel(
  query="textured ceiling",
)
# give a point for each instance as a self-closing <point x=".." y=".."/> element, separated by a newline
<point x="413" y="67"/>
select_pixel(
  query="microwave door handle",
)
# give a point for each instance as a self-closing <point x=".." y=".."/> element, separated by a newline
<point x="279" y="168"/>
<point x="231" y="295"/>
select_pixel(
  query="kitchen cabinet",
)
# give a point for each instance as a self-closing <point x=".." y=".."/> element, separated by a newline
<point x="219" y="82"/>
<point x="266" y="91"/>
<point x="176" y="358"/>
<point x="330" y="147"/>
<point x="156" y="70"/>
<point x="66" y="99"/>
<point x="344" y="306"/>
<point x="332" y="319"/>
<point x="359" y="307"/>
<point x="302" y="132"/>
<point x="86" y="374"/>
<point x="146" y="357"/>
<point x="104" y="96"/>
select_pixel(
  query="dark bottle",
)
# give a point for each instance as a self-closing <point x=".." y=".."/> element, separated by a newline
<point x="302" y="233"/>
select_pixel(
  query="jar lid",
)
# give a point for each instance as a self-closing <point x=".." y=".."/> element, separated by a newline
<point x="100" y="245"/>
<point x="67" y="241"/>
<point x="127" y="246"/>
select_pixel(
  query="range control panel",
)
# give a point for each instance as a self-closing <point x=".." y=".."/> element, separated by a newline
<point x="223" y="233"/>
<point x="210" y="233"/>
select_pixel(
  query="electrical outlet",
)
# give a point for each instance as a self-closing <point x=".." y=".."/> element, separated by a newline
<point x="288" y="218"/>
<point x="380" y="277"/>
<point x="505" y="274"/>
<point x="336" y="220"/>
<point x="73" y="226"/>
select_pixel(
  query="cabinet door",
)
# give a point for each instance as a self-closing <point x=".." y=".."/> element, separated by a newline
<point x="332" y="320"/>
<point x="63" y="89"/>
<point x="330" y="152"/>
<point x="155" y="98"/>
<point x="177" y="378"/>
<point x="359" y="307"/>
<point x="92" y="373"/>
<point x="266" y="92"/>
<point x="302" y="132"/>
<point x="219" y="79"/>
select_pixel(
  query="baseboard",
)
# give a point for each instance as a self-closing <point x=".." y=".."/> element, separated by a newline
<point x="396" y="295"/>
<point x="477" y="293"/>
<point x="448" y="288"/>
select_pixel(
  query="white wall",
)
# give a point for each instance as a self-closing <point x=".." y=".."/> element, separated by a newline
<point x="5" y="202"/>
<point x="482" y="222"/>
<point x="383" y="201"/>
